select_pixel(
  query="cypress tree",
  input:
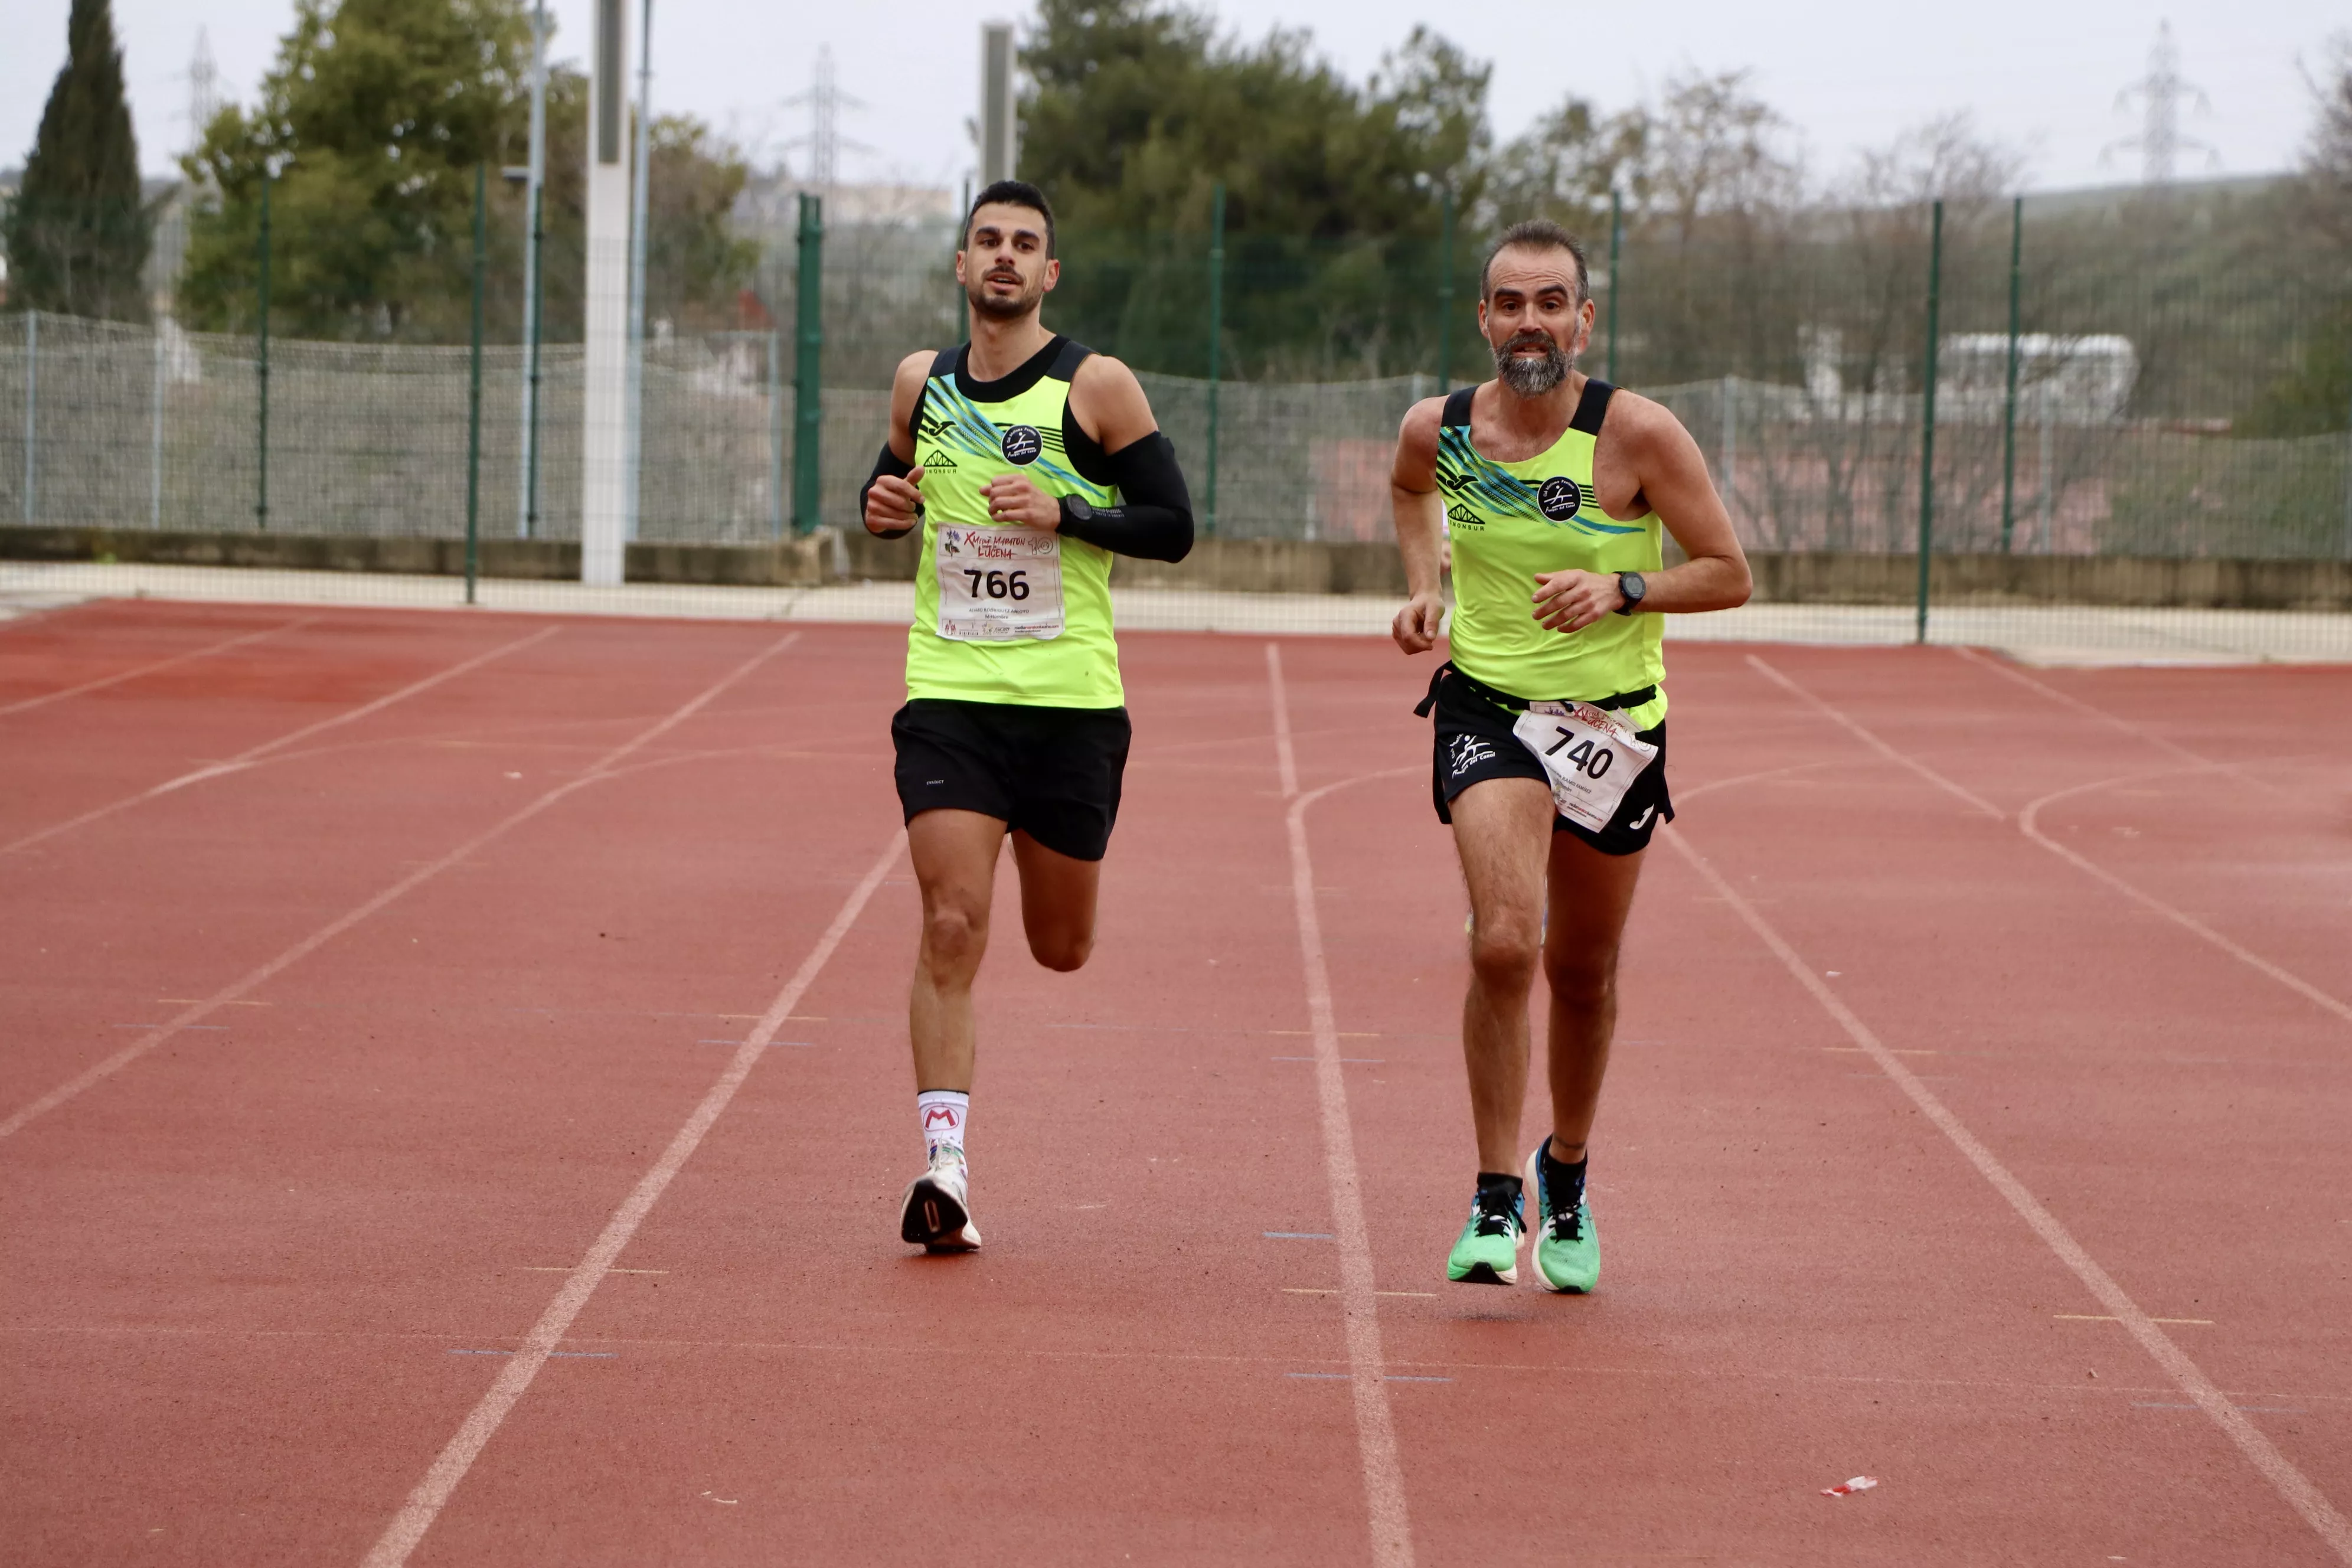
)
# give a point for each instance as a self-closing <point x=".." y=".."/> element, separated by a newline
<point x="77" y="233"/>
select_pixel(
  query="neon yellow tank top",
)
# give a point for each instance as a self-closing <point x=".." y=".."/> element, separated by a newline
<point x="1508" y="522"/>
<point x="966" y="434"/>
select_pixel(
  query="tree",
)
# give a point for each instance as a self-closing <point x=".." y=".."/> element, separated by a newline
<point x="369" y="126"/>
<point x="1135" y="111"/>
<point x="77" y="233"/>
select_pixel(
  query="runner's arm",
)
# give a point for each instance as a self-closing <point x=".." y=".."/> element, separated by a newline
<point x="892" y="497"/>
<point x="1154" y="521"/>
<point x="1420" y="527"/>
<point x="1671" y="474"/>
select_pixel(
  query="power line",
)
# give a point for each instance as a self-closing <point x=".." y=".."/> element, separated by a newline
<point x="2160" y="94"/>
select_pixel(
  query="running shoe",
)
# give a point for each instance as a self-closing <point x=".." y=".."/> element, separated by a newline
<point x="938" y="1211"/>
<point x="1568" y="1249"/>
<point x="1488" y="1252"/>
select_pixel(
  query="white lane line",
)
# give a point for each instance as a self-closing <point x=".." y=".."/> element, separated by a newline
<point x="1875" y="744"/>
<point x="433" y="1493"/>
<point x="1376" y="1442"/>
<point x="116" y="679"/>
<point x="2301" y="1495"/>
<point x="255" y="754"/>
<point x="2029" y="823"/>
<point x="2113" y="720"/>
<point x="345" y="921"/>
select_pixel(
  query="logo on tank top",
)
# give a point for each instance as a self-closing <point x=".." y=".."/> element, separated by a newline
<point x="1561" y="498"/>
<point x="1022" y="443"/>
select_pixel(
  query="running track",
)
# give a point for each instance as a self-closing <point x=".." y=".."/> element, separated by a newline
<point x="455" y="1104"/>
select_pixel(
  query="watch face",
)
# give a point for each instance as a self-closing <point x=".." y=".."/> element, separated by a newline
<point x="1079" y="508"/>
<point x="1631" y="585"/>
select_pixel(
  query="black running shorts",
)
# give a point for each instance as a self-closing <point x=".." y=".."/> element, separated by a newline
<point x="1474" y="744"/>
<point x="1051" y="773"/>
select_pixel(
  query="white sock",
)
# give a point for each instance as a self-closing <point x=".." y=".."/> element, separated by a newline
<point x="944" y="1112"/>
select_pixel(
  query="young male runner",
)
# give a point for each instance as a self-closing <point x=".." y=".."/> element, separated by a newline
<point x="1550" y="756"/>
<point x="1016" y="453"/>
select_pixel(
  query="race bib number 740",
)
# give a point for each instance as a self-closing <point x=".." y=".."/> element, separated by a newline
<point x="1590" y="756"/>
<point x="998" y="583"/>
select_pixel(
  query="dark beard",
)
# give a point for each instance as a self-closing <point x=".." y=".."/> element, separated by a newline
<point x="996" y="309"/>
<point x="1532" y="377"/>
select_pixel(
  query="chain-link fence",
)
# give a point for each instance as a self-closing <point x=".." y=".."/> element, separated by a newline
<point x="2137" y="391"/>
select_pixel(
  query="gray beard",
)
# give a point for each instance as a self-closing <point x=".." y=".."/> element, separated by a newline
<point x="1533" y="377"/>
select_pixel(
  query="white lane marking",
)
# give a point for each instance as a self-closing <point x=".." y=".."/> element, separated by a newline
<point x="206" y="651"/>
<point x="1875" y="744"/>
<point x="2305" y="1498"/>
<point x="433" y="1493"/>
<point x="252" y="754"/>
<point x="1376" y="1442"/>
<point x="2115" y="721"/>
<point x="345" y="921"/>
<point x="2028" y="822"/>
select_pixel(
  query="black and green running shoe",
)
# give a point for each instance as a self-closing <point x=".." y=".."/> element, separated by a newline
<point x="1488" y="1252"/>
<point x="1568" y="1249"/>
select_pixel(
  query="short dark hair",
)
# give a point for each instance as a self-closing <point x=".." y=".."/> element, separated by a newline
<point x="1013" y="194"/>
<point x="1539" y="233"/>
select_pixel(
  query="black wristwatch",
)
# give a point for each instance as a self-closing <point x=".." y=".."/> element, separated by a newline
<point x="1075" y="509"/>
<point x="1631" y="585"/>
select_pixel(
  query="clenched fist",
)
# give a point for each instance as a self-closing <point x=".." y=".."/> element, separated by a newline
<point x="893" y="504"/>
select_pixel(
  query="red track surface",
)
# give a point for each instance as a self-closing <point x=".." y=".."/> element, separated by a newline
<point x="264" y="1267"/>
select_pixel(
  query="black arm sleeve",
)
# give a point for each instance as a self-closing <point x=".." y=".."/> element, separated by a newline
<point x="1156" y="522"/>
<point x="888" y="463"/>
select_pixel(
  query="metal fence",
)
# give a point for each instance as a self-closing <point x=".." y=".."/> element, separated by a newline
<point x="120" y="426"/>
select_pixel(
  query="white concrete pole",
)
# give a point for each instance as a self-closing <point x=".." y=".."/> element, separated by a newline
<point x="638" y="223"/>
<point x="604" y="435"/>
<point x="527" y="477"/>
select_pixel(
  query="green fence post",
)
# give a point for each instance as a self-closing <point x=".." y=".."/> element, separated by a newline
<point x="32" y="404"/>
<point x="474" y="394"/>
<point x="1927" y="415"/>
<point x="538" y="331"/>
<point x="2008" y="407"/>
<point x="1216" y="342"/>
<point x="1616" y="243"/>
<point x="775" y="435"/>
<point x="808" y="398"/>
<point x="1445" y="295"/>
<point x="261" y="373"/>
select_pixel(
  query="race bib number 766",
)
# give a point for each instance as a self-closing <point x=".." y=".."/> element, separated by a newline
<point x="998" y="583"/>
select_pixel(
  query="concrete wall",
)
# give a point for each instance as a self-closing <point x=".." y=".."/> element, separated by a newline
<point x="1245" y="565"/>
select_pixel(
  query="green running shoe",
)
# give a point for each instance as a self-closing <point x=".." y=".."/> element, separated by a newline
<point x="1568" y="1249"/>
<point x="1488" y="1252"/>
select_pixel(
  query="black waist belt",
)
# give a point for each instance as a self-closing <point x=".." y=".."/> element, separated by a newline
<point x="1508" y="703"/>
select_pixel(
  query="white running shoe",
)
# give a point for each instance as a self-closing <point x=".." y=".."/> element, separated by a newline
<point x="938" y="1213"/>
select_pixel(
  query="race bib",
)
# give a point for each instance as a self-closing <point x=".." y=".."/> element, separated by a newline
<point x="998" y="583"/>
<point x="1590" y="757"/>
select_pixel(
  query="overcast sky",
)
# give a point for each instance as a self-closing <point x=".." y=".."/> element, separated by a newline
<point x="2041" y="75"/>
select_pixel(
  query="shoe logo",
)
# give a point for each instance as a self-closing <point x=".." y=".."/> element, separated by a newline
<point x="1559" y="498"/>
<point x="1643" y="821"/>
<point x="1022" y="445"/>
<point x="939" y="1116"/>
<point x="1468" y="752"/>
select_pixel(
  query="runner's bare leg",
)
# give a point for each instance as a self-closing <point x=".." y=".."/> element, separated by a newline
<point x="954" y="853"/>
<point x="1500" y="830"/>
<point x="1592" y="893"/>
<point x="1057" y="902"/>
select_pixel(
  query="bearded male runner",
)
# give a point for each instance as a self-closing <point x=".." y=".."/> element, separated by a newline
<point x="1550" y="756"/>
<point x="1016" y="453"/>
